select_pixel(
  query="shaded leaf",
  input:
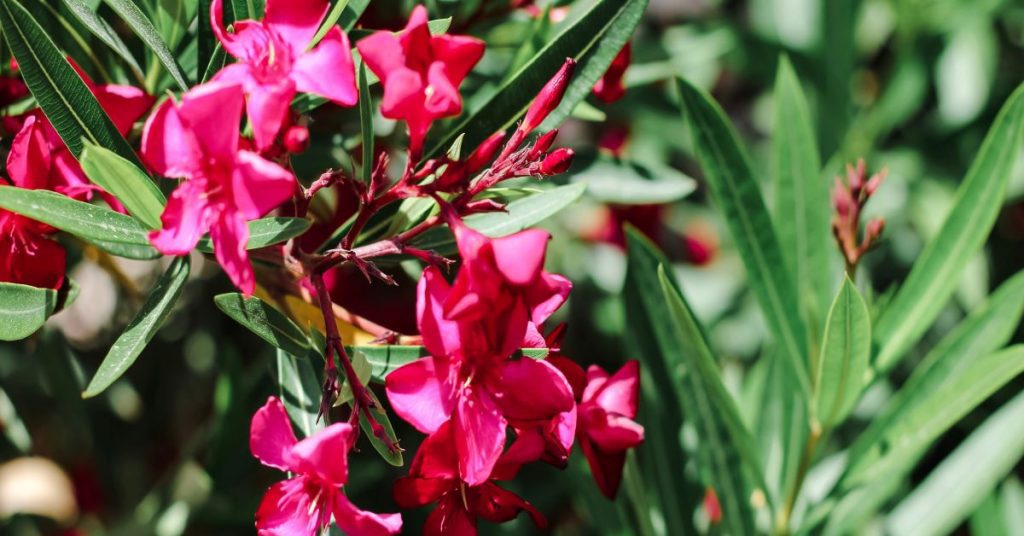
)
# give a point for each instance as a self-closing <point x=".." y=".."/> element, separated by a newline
<point x="137" y="21"/>
<point x="24" y="309"/>
<point x="265" y="321"/>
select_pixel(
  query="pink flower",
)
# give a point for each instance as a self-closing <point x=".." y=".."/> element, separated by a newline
<point x="434" y="477"/>
<point x="198" y="139"/>
<point x="605" y="427"/>
<point x="609" y="88"/>
<point x="274" y="63"/>
<point x="470" y="378"/>
<point x="421" y="73"/>
<point x="303" y="504"/>
<point x="27" y="256"/>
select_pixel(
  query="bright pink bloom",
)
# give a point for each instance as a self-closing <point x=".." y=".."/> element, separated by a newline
<point x="421" y="73"/>
<point x="198" y="139"/>
<point x="27" y="256"/>
<point x="434" y="477"/>
<point x="605" y="427"/>
<point x="303" y="504"/>
<point x="274" y="63"/>
<point x="470" y="378"/>
<point x="609" y="88"/>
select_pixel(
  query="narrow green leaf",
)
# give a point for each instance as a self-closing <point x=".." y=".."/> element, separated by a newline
<point x="987" y="518"/>
<point x="394" y="458"/>
<point x="936" y="273"/>
<point x="206" y="42"/>
<point x="366" y="123"/>
<point x="24" y="309"/>
<point x="63" y="96"/>
<point x="985" y="330"/>
<point x="265" y="321"/>
<point x="125" y="181"/>
<point x="735" y="191"/>
<point x="614" y="180"/>
<point x="329" y="21"/>
<point x="143" y="28"/>
<point x="218" y="59"/>
<point x="143" y="327"/>
<point x="915" y="429"/>
<point x="726" y="449"/>
<point x="593" y="41"/>
<point x="266" y="232"/>
<point x="116" y="233"/>
<point x="299" y="389"/>
<point x="99" y="27"/>
<point x="801" y="195"/>
<point x="839" y="377"/>
<point x="353" y="10"/>
<point x="364" y="371"/>
<point x="519" y="215"/>
<point x="954" y="488"/>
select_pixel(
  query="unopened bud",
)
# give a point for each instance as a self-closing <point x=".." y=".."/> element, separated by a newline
<point x="841" y="199"/>
<point x="542" y="144"/>
<point x="875" y="182"/>
<point x="874" y="230"/>
<point x="557" y="162"/>
<point x="855" y="176"/>
<point x="296" y="139"/>
<point x="485" y="152"/>
<point x="549" y="97"/>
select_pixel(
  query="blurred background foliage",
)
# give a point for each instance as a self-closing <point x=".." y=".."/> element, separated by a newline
<point x="910" y="85"/>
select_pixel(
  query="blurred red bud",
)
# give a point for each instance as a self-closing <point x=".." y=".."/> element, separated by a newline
<point x="875" y="181"/>
<point x="296" y="139"/>
<point x="874" y="230"/>
<point x="549" y="97"/>
<point x="557" y="162"/>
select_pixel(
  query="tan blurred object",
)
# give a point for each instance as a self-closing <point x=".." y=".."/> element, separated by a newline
<point x="36" y="486"/>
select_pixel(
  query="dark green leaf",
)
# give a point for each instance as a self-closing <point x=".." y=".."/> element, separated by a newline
<point x="143" y="327"/>
<point x="265" y="321"/>
<point x="593" y="41"/>
<point x="143" y="28"/>
<point x="99" y="27"/>
<point x="519" y="215"/>
<point x="63" y="96"/>
<point x="839" y="376"/>
<point x="125" y="181"/>
<point x="353" y="10"/>
<point x="801" y="194"/>
<point x="24" y="309"/>
<point x="936" y="273"/>
<point x="299" y="389"/>
<point x="116" y="233"/>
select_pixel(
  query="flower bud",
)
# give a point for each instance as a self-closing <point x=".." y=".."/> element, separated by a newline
<point x="296" y="139"/>
<point x="841" y="199"/>
<point x="485" y="152"/>
<point x="542" y="144"/>
<point x="874" y="230"/>
<point x="875" y="182"/>
<point x="549" y="97"/>
<point x="557" y="162"/>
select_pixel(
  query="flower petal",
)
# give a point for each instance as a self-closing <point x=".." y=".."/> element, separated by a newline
<point x="297" y="21"/>
<point x="615" y="433"/>
<point x="267" y="106"/>
<point x="213" y="112"/>
<point x="271" y="436"/>
<point x="520" y="257"/>
<point x="259" y="185"/>
<point x="28" y="162"/>
<point x="531" y="390"/>
<point x="185" y="219"/>
<point x="31" y="259"/>
<point x="605" y="467"/>
<point x="124" y="104"/>
<point x="324" y="455"/>
<point x="498" y="505"/>
<point x="169" y="146"/>
<point x="352" y="520"/>
<point x="414" y="492"/>
<point x="620" y="392"/>
<point x="440" y="335"/>
<point x="546" y="295"/>
<point x="450" y="518"/>
<point x="421" y="394"/>
<point x="479" y="435"/>
<point x="230" y="234"/>
<point x="287" y="509"/>
<point x="327" y="70"/>
<point x="383" y="53"/>
<point x="459" y="52"/>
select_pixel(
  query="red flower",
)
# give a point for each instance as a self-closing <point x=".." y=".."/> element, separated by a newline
<point x="304" y="504"/>
<point x="606" y="429"/>
<point x="470" y="379"/>
<point x="420" y="73"/>
<point x="609" y="88"/>
<point x="274" y="63"/>
<point x="198" y="139"/>
<point x="434" y="477"/>
<point x="27" y="256"/>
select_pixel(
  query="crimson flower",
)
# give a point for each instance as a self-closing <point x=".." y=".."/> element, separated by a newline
<point x="605" y="427"/>
<point x="609" y="88"/>
<point x="27" y="256"/>
<point x="434" y="477"/>
<point x="274" y="63"/>
<point x="198" y="139"/>
<point x="303" y="504"/>
<point x="471" y="380"/>
<point x="421" y="73"/>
